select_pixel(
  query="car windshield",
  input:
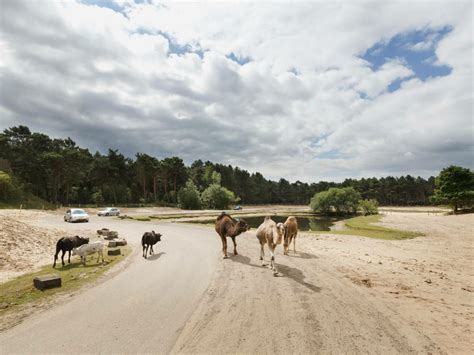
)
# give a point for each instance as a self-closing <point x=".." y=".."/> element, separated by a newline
<point x="78" y="212"/>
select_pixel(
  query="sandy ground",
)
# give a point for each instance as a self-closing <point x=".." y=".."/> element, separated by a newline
<point x="337" y="294"/>
<point x="345" y="294"/>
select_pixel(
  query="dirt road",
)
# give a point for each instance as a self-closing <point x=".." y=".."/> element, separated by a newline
<point x="337" y="294"/>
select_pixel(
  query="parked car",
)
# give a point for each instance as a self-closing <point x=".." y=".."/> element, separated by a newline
<point x="238" y="207"/>
<point x="109" y="211"/>
<point x="76" y="215"/>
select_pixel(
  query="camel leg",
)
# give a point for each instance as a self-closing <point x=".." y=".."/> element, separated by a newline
<point x="235" y="246"/>
<point x="294" y="243"/>
<point x="224" y="247"/>
<point x="273" y="265"/>
<point x="262" y="254"/>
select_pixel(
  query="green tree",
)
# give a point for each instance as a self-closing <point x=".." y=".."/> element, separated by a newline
<point x="217" y="197"/>
<point x="455" y="186"/>
<point x="188" y="197"/>
<point x="368" y="207"/>
<point x="340" y="200"/>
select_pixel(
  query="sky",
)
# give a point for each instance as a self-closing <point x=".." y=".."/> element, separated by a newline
<point x="309" y="91"/>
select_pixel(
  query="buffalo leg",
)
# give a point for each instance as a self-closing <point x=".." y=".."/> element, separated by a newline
<point x="235" y="246"/>
<point x="151" y="250"/>
<point x="69" y="257"/>
<point x="55" y="258"/>
<point x="62" y="256"/>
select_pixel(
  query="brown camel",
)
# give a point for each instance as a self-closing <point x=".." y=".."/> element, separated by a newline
<point x="226" y="226"/>
<point x="291" y="230"/>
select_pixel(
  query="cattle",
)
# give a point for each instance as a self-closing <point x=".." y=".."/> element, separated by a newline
<point x="291" y="230"/>
<point x="88" y="249"/>
<point x="226" y="226"/>
<point x="148" y="240"/>
<point x="67" y="244"/>
<point x="270" y="233"/>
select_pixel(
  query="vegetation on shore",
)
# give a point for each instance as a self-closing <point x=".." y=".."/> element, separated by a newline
<point x="20" y="291"/>
<point x="364" y="226"/>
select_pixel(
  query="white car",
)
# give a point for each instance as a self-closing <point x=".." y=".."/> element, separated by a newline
<point x="109" y="211"/>
<point x="76" y="215"/>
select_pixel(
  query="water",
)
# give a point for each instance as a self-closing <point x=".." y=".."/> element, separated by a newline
<point x="305" y="223"/>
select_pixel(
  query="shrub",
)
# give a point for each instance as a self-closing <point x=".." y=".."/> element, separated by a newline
<point x="340" y="200"/>
<point x="217" y="197"/>
<point x="368" y="207"/>
<point x="8" y="188"/>
<point x="188" y="197"/>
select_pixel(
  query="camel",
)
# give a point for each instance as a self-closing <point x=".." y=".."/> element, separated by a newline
<point x="226" y="226"/>
<point x="291" y="230"/>
<point x="270" y="233"/>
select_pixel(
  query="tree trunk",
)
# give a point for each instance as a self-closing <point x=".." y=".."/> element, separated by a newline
<point x="165" y="185"/>
<point x="174" y="186"/>
<point x="154" y="187"/>
<point x="144" y="188"/>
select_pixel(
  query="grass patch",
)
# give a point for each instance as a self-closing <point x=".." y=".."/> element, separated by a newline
<point x="362" y="226"/>
<point x="20" y="291"/>
<point x="140" y="218"/>
<point x="29" y="201"/>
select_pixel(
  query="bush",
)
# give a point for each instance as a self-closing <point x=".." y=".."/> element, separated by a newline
<point x="339" y="200"/>
<point x="8" y="188"/>
<point x="97" y="197"/>
<point x="217" y="197"/>
<point x="188" y="197"/>
<point x="368" y="207"/>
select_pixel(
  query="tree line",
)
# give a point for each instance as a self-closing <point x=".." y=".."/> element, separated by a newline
<point x="61" y="172"/>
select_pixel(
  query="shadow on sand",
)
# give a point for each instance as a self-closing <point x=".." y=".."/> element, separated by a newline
<point x="155" y="256"/>
<point x="287" y="271"/>
<point x="301" y="254"/>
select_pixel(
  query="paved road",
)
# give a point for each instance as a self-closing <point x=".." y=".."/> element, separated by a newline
<point x="139" y="310"/>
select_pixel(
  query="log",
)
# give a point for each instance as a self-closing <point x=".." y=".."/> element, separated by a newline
<point x="120" y="242"/>
<point x="47" y="281"/>
<point x="112" y="244"/>
<point x="115" y="251"/>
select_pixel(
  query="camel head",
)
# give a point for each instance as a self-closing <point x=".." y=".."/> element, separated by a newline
<point x="242" y="226"/>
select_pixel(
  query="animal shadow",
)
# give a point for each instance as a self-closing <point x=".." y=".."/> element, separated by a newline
<point x="302" y="255"/>
<point x="243" y="260"/>
<point x="298" y="276"/>
<point x="155" y="256"/>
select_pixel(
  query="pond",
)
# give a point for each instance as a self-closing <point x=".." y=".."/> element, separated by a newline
<point x="305" y="223"/>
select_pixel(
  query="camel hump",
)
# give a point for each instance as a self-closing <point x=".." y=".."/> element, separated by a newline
<point x="222" y="215"/>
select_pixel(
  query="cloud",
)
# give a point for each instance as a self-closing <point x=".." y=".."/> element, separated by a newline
<point x="273" y="88"/>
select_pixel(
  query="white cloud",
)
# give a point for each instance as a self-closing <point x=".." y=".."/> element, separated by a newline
<point x="86" y="71"/>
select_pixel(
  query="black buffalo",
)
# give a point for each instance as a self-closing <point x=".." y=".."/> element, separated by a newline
<point x="67" y="244"/>
<point x="148" y="240"/>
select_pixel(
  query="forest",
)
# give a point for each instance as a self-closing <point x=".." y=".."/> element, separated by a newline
<point x="61" y="172"/>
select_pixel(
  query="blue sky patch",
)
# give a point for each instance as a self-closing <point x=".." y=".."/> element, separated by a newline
<point x="415" y="48"/>
<point x="238" y="59"/>
<point x="110" y="4"/>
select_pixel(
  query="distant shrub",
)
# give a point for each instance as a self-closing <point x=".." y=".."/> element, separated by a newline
<point x="339" y="200"/>
<point x="8" y="188"/>
<point x="188" y="197"/>
<point x="368" y="207"/>
<point x="217" y="197"/>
